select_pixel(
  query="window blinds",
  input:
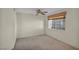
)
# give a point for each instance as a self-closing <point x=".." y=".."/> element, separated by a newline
<point x="60" y="15"/>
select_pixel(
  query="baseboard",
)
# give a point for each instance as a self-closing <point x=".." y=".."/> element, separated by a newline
<point x="63" y="42"/>
<point x="30" y="36"/>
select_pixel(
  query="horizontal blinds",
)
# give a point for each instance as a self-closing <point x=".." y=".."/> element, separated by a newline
<point x="57" y="16"/>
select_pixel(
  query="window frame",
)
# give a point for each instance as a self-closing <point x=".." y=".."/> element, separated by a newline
<point x="57" y="26"/>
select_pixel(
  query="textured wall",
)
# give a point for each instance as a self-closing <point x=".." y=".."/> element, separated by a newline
<point x="29" y="25"/>
<point x="70" y="35"/>
<point x="7" y="28"/>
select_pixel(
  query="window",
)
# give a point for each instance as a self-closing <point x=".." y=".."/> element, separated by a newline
<point x="56" y="24"/>
<point x="57" y="21"/>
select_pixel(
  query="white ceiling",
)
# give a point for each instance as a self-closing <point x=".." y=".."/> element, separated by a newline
<point x="33" y="10"/>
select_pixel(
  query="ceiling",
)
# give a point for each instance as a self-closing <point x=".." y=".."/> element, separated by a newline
<point x="33" y="10"/>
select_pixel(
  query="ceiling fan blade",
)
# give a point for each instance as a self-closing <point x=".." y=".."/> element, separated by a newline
<point x="42" y="13"/>
<point x="45" y="12"/>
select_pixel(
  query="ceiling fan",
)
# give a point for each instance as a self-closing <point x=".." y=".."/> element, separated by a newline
<point x="39" y="11"/>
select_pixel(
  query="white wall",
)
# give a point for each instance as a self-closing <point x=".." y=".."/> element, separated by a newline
<point x="29" y="25"/>
<point x="71" y="33"/>
<point x="7" y="28"/>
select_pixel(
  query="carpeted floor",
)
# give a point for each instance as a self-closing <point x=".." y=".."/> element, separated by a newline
<point x="41" y="42"/>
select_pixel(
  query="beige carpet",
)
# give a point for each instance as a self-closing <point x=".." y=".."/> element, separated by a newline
<point x="41" y="42"/>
